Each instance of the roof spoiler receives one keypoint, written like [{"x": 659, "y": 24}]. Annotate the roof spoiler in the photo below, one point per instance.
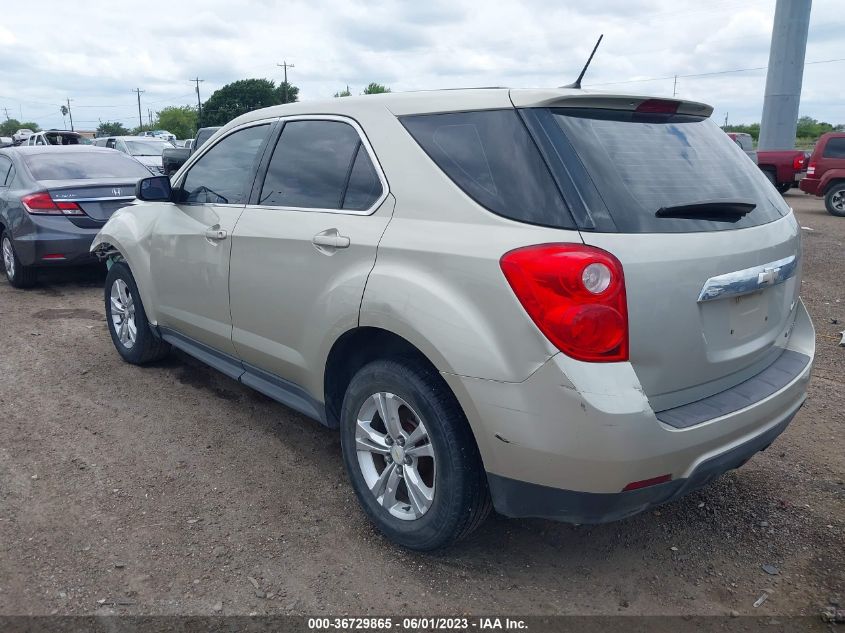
[{"x": 564, "y": 98}]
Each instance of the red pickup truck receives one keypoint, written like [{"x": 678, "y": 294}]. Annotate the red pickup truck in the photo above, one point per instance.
[
  {"x": 785, "y": 168},
  {"x": 826, "y": 172}
]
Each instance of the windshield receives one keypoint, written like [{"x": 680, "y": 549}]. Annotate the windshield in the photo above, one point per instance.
[
  {"x": 630, "y": 165},
  {"x": 81, "y": 165},
  {"x": 147, "y": 148}
]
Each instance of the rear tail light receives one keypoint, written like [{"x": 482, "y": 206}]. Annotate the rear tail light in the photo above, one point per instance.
[
  {"x": 658, "y": 106},
  {"x": 43, "y": 204},
  {"x": 798, "y": 162},
  {"x": 575, "y": 294},
  {"x": 811, "y": 168}
]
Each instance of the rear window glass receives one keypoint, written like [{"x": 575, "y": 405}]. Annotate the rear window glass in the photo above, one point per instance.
[
  {"x": 58, "y": 165},
  {"x": 639, "y": 164},
  {"x": 147, "y": 148},
  {"x": 835, "y": 148},
  {"x": 491, "y": 156}
]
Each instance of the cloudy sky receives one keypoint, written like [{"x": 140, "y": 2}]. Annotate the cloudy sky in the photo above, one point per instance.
[{"x": 97, "y": 52}]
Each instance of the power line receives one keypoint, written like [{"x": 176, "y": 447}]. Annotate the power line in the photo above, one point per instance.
[{"x": 709, "y": 74}]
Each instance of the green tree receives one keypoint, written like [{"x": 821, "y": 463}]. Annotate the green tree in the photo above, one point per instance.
[
  {"x": 239, "y": 97},
  {"x": 343, "y": 93},
  {"x": 109, "y": 128},
  {"x": 376, "y": 89},
  {"x": 810, "y": 128},
  {"x": 178, "y": 120},
  {"x": 9, "y": 127},
  {"x": 288, "y": 93}
]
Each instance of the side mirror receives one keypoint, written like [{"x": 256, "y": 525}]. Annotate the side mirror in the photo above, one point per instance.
[{"x": 153, "y": 189}]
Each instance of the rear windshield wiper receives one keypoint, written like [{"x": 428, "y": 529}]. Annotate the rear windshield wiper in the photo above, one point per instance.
[{"x": 717, "y": 210}]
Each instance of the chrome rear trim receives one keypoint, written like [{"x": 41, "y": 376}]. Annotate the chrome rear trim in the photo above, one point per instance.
[{"x": 743, "y": 282}]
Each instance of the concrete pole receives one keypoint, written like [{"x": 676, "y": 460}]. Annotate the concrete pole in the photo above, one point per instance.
[{"x": 786, "y": 72}]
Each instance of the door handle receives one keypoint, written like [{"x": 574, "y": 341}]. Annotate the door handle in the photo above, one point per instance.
[
  {"x": 331, "y": 239},
  {"x": 215, "y": 233}
]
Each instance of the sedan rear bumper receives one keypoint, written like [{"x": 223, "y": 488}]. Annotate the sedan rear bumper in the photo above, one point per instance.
[{"x": 53, "y": 241}]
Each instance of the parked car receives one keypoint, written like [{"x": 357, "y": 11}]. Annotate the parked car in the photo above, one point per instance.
[
  {"x": 783, "y": 168},
  {"x": 746, "y": 143},
  {"x": 530, "y": 298},
  {"x": 55, "y": 137},
  {"x": 21, "y": 135},
  {"x": 162, "y": 134},
  {"x": 145, "y": 149},
  {"x": 173, "y": 158},
  {"x": 6, "y": 141},
  {"x": 54, "y": 200},
  {"x": 826, "y": 172}
]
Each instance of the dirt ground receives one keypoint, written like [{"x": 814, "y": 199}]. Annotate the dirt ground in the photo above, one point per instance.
[{"x": 174, "y": 490}]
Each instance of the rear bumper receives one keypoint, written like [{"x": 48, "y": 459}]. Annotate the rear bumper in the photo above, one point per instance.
[
  {"x": 565, "y": 443},
  {"x": 810, "y": 185},
  {"x": 40, "y": 236},
  {"x": 522, "y": 499}
]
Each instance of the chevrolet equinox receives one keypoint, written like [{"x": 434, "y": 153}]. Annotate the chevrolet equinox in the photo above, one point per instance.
[{"x": 554, "y": 303}]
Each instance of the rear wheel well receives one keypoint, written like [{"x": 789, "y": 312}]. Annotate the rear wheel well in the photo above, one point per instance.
[
  {"x": 832, "y": 184},
  {"x": 351, "y": 352}
]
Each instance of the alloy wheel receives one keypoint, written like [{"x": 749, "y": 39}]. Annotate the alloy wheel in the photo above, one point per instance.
[
  {"x": 396, "y": 456},
  {"x": 837, "y": 201},
  {"x": 8, "y": 257},
  {"x": 123, "y": 313}
]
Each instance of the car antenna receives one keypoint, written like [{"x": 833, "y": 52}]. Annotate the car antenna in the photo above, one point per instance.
[{"x": 577, "y": 83}]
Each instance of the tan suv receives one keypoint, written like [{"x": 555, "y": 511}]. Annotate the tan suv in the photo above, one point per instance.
[{"x": 559, "y": 303}]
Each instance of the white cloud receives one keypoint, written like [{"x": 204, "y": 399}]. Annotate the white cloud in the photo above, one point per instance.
[{"x": 97, "y": 53}]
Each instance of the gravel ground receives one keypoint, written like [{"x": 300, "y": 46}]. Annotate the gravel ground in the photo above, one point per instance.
[{"x": 174, "y": 490}]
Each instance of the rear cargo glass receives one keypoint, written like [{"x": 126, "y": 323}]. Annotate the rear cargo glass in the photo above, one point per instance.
[
  {"x": 491, "y": 156},
  {"x": 626, "y": 166},
  {"x": 60, "y": 165}
]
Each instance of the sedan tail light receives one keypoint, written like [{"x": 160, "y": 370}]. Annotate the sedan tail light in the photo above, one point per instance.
[
  {"x": 575, "y": 294},
  {"x": 43, "y": 204}
]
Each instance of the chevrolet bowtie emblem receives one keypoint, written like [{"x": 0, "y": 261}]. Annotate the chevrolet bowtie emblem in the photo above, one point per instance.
[{"x": 768, "y": 277}]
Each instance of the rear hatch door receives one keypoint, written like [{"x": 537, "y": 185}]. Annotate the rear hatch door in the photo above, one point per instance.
[{"x": 709, "y": 249}]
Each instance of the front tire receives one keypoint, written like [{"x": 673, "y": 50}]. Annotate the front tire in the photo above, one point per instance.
[
  {"x": 128, "y": 325},
  {"x": 411, "y": 456},
  {"x": 834, "y": 200},
  {"x": 18, "y": 275}
]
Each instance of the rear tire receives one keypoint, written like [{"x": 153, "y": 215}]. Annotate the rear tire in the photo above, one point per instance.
[
  {"x": 436, "y": 493},
  {"x": 834, "y": 200},
  {"x": 128, "y": 325},
  {"x": 783, "y": 187},
  {"x": 19, "y": 276}
]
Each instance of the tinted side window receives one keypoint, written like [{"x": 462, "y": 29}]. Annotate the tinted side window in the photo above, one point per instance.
[
  {"x": 223, "y": 174},
  {"x": 310, "y": 165},
  {"x": 835, "y": 148},
  {"x": 364, "y": 186},
  {"x": 490, "y": 155},
  {"x": 5, "y": 169}
]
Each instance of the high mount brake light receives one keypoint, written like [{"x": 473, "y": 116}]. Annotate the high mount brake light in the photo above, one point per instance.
[
  {"x": 575, "y": 294},
  {"x": 43, "y": 204},
  {"x": 658, "y": 106}
]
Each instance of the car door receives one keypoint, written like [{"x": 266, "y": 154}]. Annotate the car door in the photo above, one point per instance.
[
  {"x": 191, "y": 241},
  {"x": 304, "y": 246}
]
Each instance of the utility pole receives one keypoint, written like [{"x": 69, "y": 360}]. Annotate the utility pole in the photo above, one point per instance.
[
  {"x": 785, "y": 75},
  {"x": 6, "y": 110},
  {"x": 69, "y": 113},
  {"x": 138, "y": 91},
  {"x": 197, "y": 81},
  {"x": 150, "y": 116},
  {"x": 285, "y": 65},
  {"x": 675, "y": 87},
  {"x": 726, "y": 121}
]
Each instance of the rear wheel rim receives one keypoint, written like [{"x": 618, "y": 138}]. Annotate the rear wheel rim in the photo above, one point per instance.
[
  {"x": 8, "y": 257},
  {"x": 837, "y": 200},
  {"x": 123, "y": 313},
  {"x": 396, "y": 456}
]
